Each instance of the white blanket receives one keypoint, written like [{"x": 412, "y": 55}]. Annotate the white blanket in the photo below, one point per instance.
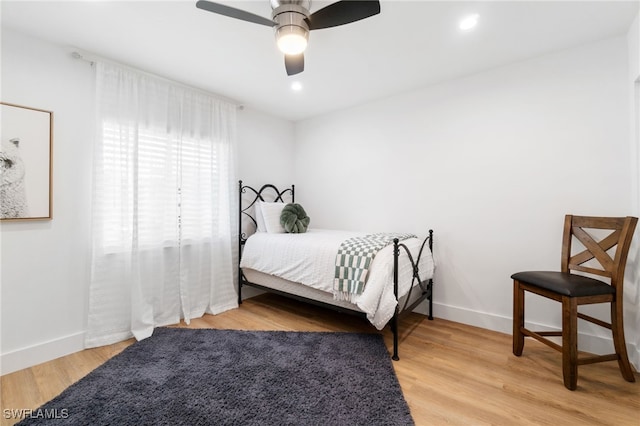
[{"x": 309, "y": 259}]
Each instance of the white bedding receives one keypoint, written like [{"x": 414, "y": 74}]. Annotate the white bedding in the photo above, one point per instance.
[{"x": 309, "y": 259}]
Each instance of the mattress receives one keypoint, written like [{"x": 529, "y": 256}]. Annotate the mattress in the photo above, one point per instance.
[{"x": 308, "y": 260}]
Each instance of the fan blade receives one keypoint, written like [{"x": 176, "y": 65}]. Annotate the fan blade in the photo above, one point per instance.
[
  {"x": 343, "y": 12},
  {"x": 232, "y": 12},
  {"x": 294, "y": 63}
]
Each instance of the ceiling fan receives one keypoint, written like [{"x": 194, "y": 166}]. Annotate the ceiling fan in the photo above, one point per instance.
[{"x": 292, "y": 22}]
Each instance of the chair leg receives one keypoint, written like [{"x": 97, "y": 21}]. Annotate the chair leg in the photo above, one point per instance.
[
  {"x": 617, "y": 328},
  {"x": 570, "y": 342},
  {"x": 518, "y": 318}
]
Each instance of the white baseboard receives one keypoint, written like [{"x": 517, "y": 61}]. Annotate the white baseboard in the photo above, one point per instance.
[
  {"x": 588, "y": 342},
  {"x": 43, "y": 352}
]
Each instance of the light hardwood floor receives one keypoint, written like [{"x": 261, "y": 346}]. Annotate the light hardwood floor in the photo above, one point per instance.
[{"x": 450, "y": 373}]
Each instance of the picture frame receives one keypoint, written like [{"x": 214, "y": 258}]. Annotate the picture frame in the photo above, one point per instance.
[{"x": 26, "y": 163}]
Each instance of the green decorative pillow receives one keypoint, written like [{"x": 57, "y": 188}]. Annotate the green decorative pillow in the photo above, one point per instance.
[{"x": 294, "y": 219}]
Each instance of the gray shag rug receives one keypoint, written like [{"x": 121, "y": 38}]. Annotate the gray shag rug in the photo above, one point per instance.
[{"x": 229, "y": 377}]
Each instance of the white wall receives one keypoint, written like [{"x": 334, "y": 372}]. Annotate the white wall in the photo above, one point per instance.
[
  {"x": 267, "y": 149},
  {"x": 45, "y": 264},
  {"x": 491, "y": 162},
  {"x": 632, "y": 288}
]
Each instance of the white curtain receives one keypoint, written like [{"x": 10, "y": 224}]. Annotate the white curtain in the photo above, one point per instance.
[{"x": 164, "y": 227}]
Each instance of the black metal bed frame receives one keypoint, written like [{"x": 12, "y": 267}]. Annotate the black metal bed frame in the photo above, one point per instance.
[{"x": 426, "y": 286}]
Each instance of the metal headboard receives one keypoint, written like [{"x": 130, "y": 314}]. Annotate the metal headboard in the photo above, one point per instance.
[{"x": 267, "y": 192}]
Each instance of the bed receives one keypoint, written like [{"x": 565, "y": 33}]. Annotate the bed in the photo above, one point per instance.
[{"x": 303, "y": 265}]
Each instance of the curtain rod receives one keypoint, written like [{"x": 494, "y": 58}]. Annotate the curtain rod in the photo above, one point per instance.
[{"x": 92, "y": 59}]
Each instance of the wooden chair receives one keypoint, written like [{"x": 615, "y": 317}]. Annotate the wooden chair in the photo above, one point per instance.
[{"x": 573, "y": 290}]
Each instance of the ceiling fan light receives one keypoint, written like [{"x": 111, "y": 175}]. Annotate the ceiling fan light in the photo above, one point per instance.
[
  {"x": 469, "y": 22},
  {"x": 292, "y": 40}
]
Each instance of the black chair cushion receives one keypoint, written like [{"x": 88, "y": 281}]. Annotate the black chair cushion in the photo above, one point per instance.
[{"x": 566, "y": 284}]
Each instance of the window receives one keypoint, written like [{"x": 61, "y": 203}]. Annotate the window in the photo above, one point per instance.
[{"x": 169, "y": 187}]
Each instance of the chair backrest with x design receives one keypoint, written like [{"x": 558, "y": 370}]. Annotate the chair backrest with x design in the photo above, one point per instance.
[{"x": 597, "y": 248}]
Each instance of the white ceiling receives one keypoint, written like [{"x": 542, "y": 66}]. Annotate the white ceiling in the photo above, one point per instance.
[{"x": 410, "y": 44}]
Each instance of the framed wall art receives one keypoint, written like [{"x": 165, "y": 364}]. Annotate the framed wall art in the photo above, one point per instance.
[{"x": 25, "y": 163}]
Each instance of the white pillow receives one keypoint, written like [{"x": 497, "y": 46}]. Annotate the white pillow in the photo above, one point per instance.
[
  {"x": 271, "y": 216},
  {"x": 260, "y": 226}
]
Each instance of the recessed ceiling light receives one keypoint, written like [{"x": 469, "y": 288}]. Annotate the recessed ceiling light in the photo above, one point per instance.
[
  {"x": 296, "y": 86},
  {"x": 469, "y": 22}
]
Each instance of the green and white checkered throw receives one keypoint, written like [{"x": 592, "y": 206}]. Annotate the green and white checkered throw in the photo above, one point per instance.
[{"x": 353, "y": 260}]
